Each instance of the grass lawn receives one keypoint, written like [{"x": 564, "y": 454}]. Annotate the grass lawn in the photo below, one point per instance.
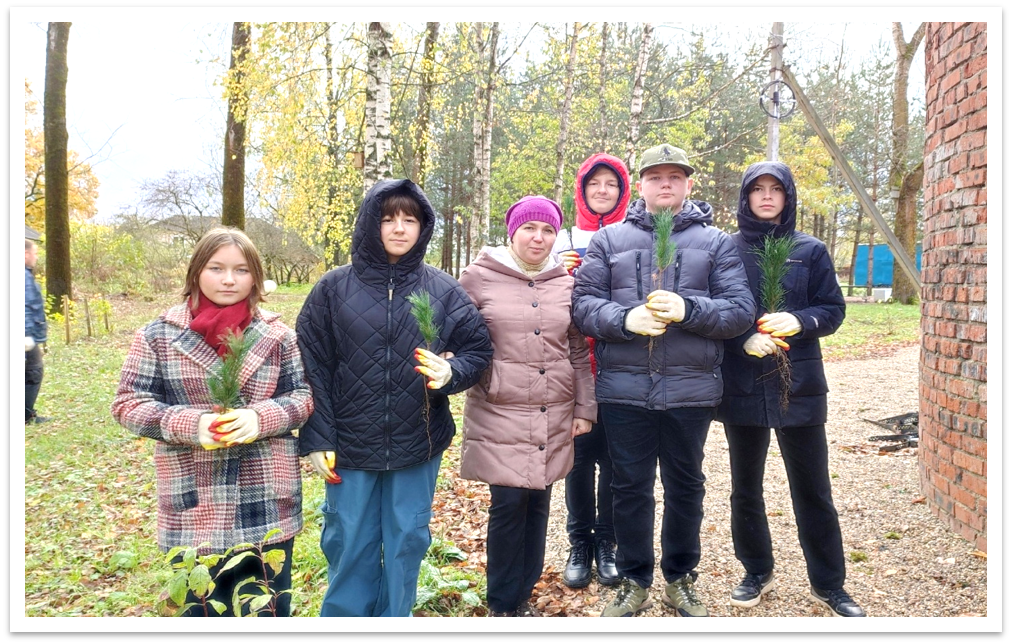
[{"x": 90, "y": 493}]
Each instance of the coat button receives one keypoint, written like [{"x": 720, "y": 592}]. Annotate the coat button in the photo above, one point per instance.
[
  {"x": 534, "y": 304},
  {"x": 541, "y": 371},
  {"x": 543, "y": 408},
  {"x": 531, "y": 284},
  {"x": 537, "y": 331},
  {"x": 541, "y": 447}
]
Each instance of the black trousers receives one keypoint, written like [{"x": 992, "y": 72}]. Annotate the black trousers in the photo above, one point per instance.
[
  {"x": 517, "y": 529},
  {"x": 806, "y": 458},
  {"x": 249, "y": 567},
  {"x": 33, "y": 380},
  {"x": 638, "y": 439},
  {"x": 589, "y": 517}
]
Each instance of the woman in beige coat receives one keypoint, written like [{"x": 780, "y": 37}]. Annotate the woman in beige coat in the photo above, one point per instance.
[{"x": 521, "y": 418}]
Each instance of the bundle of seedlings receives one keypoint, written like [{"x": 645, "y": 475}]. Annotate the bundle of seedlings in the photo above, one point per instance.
[
  {"x": 773, "y": 266},
  {"x": 425, "y": 315},
  {"x": 664, "y": 254},
  {"x": 223, "y": 381}
]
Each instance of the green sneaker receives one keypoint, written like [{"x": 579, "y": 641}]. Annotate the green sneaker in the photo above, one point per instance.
[
  {"x": 681, "y": 595},
  {"x": 629, "y": 600}
]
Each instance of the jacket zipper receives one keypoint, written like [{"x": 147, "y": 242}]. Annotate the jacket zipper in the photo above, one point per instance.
[
  {"x": 639, "y": 277},
  {"x": 678, "y": 265},
  {"x": 386, "y": 413}
]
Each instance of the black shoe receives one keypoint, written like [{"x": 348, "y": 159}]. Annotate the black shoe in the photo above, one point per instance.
[
  {"x": 838, "y": 601},
  {"x": 751, "y": 589},
  {"x": 577, "y": 572},
  {"x": 604, "y": 556},
  {"x": 37, "y": 419},
  {"x": 508, "y": 613}
]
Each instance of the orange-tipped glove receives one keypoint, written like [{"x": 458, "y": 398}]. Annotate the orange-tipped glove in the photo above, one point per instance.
[
  {"x": 780, "y": 325},
  {"x": 436, "y": 369},
  {"x": 237, "y": 426},
  {"x": 666, "y": 306},
  {"x": 570, "y": 260},
  {"x": 204, "y": 432},
  {"x": 763, "y": 344},
  {"x": 324, "y": 464}
]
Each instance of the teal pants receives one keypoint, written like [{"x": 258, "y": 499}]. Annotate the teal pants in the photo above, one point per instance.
[{"x": 375, "y": 535}]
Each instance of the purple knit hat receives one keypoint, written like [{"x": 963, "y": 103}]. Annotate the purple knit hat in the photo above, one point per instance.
[{"x": 533, "y": 208}]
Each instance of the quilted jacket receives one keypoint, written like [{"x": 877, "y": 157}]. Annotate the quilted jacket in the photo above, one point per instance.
[
  {"x": 683, "y": 368},
  {"x": 751, "y": 388},
  {"x": 358, "y": 339},
  {"x": 518, "y": 419},
  {"x": 225, "y": 496}
]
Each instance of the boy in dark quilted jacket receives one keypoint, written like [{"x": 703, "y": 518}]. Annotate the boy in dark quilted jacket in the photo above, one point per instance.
[{"x": 379, "y": 429}]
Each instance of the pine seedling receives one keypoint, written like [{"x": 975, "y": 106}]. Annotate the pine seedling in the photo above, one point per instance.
[
  {"x": 425, "y": 315},
  {"x": 771, "y": 259},
  {"x": 223, "y": 382},
  {"x": 664, "y": 253}
]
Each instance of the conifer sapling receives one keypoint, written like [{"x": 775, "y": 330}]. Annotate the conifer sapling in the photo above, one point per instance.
[
  {"x": 771, "y": 259},
  {"x": 425, "y": 315},
  {"x": 664, "y": 254}
]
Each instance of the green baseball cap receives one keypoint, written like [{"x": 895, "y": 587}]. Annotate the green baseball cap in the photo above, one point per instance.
[{"x": 665, "y": 154}]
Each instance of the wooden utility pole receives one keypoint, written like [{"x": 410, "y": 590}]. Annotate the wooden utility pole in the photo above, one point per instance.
[{"x": 776, "y": 62}]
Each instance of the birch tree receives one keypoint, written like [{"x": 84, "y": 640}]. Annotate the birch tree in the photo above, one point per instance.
[
  {"x": 567, "y": 104},
  {"x": 636, "y": 104},
  {"x": 377, "y": 105}
]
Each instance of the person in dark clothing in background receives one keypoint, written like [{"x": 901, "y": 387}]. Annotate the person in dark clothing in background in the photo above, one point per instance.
[
  {"x": 35, "y": 334},
  {"x": 814, "y": 308},
  {"x": 379, "y": 429}
]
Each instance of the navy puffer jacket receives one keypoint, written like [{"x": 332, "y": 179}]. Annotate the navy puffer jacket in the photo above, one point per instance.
[
  {"x": 751, "y": 385},
  {"x": 683, "y": 370},
  {"x": 358, "y": 338}
]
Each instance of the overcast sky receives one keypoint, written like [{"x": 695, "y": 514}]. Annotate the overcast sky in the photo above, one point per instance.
[{"x": 141, "y": 94}]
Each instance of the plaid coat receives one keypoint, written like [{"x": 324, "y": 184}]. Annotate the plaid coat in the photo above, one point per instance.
[{"x": 226, "y": 496}]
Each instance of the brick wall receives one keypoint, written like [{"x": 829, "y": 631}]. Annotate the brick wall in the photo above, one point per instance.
[{"x": 953, "y": 373}]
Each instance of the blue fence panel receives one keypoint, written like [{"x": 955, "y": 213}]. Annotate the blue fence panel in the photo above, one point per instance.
[{"x": 882, "y": 265}]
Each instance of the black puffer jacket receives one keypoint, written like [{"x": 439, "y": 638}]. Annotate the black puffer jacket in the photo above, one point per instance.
[
  {"x": 358, "y": 338},
  {"x": 684, "y": 368},
  {"x": 751, "y": 386}
]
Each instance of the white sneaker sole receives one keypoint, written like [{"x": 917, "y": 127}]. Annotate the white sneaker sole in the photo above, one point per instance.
[{"x": 754, "y": 602}]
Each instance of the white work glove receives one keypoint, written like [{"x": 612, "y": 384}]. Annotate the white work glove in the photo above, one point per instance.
[
  {"x": 581, "y": 426},
  {"x": 779, "y": 324},
  {"x": 666, "y": 306},
  {"x": 641, "y": 321},
  {"x": 237, "y": 426},
  {"x": 570, "y": 260},
  {"x": 204, "y": 432},
  {"x": 324, "y": 464},
  {"x": 436, "y": 369},
  {"x": 29, "y": 343},
  {"x": 762, "y": 344}
]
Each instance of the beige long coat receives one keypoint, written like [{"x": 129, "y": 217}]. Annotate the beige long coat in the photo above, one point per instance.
[{"x": 518, "y": 419}]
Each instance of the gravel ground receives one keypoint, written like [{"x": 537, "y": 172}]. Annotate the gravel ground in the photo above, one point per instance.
[{"x": 927, "y": 571}]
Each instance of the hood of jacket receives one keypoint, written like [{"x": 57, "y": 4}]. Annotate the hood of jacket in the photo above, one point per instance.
[
  {"x": 693, "y": 211},
  {"x": 367, "y": 254},
  {"x": 587, "y": 219},
  {"x": 752, "y": 228}
]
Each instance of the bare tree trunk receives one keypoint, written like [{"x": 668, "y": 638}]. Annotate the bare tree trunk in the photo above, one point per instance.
[
  {"x": 54, "y": 125},
  {"x": 905, "y": 225},
  {"x": 377, "y": 105},
  {"x": 331, "y": 249},
  {"x": 421, "y": 126},
  {"x": 233, "y": 184},
  {"x": 477, "y": 235},
  {"x": 567, "y": 106},
  {"x": 636, "y": 106},
  {"x": 486, "y": 139},
  {"x": 477, "y": 167},
  {"x": 602, "y": 102}
]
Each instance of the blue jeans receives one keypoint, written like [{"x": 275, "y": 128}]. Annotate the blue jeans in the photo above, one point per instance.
[
  {"x": 590, "y": 515},
  {"x": 375, "y": 535},
  {"x": 637, "y": 439}
]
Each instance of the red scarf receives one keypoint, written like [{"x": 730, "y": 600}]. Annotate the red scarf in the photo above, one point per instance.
[{"x": 213, "y": 321}]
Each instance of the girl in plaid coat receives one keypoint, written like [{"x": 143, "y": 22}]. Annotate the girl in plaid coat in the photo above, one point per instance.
[{"x": 220, "y": 486}]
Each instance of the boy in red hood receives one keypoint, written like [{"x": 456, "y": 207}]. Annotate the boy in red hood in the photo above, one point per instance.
[{"x": 602, "y": 194}]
